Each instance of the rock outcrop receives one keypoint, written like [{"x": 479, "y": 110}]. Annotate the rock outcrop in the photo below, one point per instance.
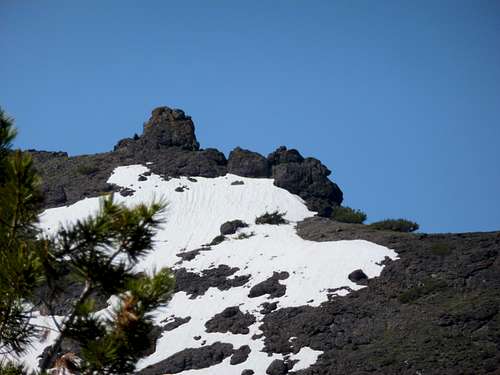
[
  {"x": 307, "y": 178},
  {"x": 247, "y": 163},
  {"x": 166, "y": 127},
  {"x": 168, "y": 143}
]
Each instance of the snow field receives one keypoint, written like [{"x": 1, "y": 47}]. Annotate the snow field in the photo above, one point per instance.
[{"x": 193, "y": 218}]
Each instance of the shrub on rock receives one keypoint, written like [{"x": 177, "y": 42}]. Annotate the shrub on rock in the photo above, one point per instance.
[
  {"x": 217, "y": 240},
  {"x": 275, "y": 218},
  {"x": 346, "y": 214},
  {"x": 397, "y": 225}
]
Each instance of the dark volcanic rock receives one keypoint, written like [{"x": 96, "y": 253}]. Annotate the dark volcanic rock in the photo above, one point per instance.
[
  {"x": 277, "y": 367},
  {"x": 126, "y": 192},
  {"x": 177, "y": 322},
  {"x": 247, "y": 163},
  {"x": 191, "y": 254},
  {"x": 247, "y": 372},
  {"x": 268, "y": 307},
  {"x": 307, "y": 178},
  {"x": 430, "y": 312},
  {"x": 190, "y": 359},
  {"x": 358, "y": 276},
  {"x": 270, "y": 286},
  {"x": 196, "y": 285},
  {"x": 230, "y": 227},
  {"x": 169, "y": 127},
  {"x": 282, "y": 156},
  {"x": 169, "y": 144},
  {"x": 231, "y": 320},
  {"x": 240, "y": 355},
  {"x": 60, "y": 195}
]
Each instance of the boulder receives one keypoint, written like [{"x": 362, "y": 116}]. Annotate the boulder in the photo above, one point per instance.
[
  {"x": 277, "y": 367},
  {"x": 247, "y": 163},
  {"x": 358, "y": 276},
  {"x": 230, "y": 227}
]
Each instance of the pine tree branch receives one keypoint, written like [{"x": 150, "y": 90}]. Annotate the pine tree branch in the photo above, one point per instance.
[
  {"x": 49, "y": 359},
  {"x": 51, "y": 313}
]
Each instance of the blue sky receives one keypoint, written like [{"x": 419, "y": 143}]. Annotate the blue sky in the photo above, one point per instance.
[{"x": 400, "y": 99}]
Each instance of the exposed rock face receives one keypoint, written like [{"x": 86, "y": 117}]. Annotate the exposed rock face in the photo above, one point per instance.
[
  {"x": 196, "y": 285},
  {"x": 283, "y": 156},
  {"x": 307, "y": 178},
  {"x": 169, "y": 127},
  {"x": 190, "y": 359},
  {"x": 240, "y": 355},
  {"x": 247, "y": 163},
  {"x": 277, "y": 367},
  {"x": 231, "y": 320},
  {"x": 176, "y": 323},
  {"x": 271, "y": 286}
]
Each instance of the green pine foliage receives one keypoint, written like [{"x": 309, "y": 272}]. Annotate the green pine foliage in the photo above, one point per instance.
[
  {"x": 11, "y": 369},
  {"x": 99, "y": 253},
  {"x": 346, "y": 214},
  {"x": 21, "y": 268}
]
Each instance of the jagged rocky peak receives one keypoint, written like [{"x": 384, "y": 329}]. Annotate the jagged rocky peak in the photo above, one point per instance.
[
  {"x": 171, "y": 127},
  {"x": 167, "y": 127},
  {"x": 169, "y": 144}
]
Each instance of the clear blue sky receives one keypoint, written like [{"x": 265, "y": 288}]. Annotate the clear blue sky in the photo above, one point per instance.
[{"x": 400, "y": 99}]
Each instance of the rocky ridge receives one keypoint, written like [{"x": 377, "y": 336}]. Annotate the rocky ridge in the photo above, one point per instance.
[{"x": 168, "y": 143}]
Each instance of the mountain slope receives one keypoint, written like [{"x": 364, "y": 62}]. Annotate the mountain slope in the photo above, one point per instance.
[
  {"x": 433, "y": 309},
  {"x": 308, "y": 271}
]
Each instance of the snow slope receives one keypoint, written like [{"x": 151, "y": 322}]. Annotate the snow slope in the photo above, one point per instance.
[{"x": 194, "y": 217}]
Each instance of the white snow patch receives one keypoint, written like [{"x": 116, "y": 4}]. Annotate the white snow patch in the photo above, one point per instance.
[{"x": 194, "y": 217}]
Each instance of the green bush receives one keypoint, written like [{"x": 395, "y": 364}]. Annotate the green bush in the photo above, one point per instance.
[
  {"x": 346, "y": 214},
  {"x": 275, "y": 218},
  {"x": 12, "y": 369},
  {"x": 217, "y": 240},
  {"x": 396, "y": 225}
]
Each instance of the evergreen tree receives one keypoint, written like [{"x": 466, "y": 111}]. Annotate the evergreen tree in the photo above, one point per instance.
[
  {"x": 21, "y": 269},
  {"x": 97, "y": 254}
]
